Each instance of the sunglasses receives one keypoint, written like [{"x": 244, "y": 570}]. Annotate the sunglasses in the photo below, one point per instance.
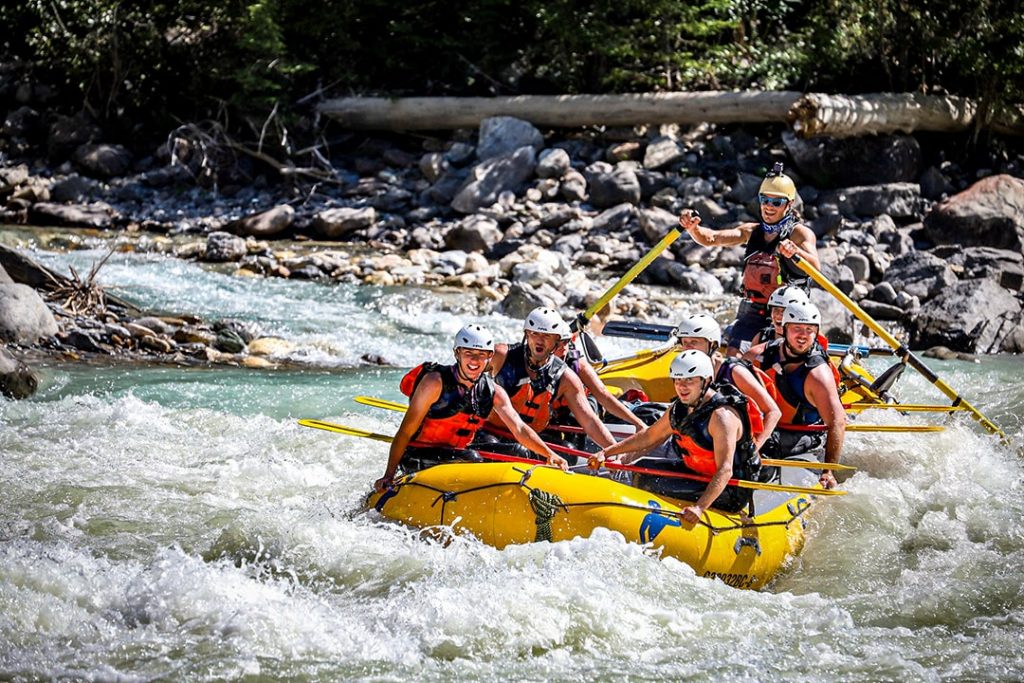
[{"x": 772, "y": 201}]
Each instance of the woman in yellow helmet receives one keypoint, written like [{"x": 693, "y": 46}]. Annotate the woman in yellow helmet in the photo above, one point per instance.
[{"x": 780, "y": 233}]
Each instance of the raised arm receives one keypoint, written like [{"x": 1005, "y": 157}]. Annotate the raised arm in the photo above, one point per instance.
[{"x": 690, "y": 222}]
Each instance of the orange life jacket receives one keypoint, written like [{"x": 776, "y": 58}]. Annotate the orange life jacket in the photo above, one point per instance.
[
  {"x": 797, "y": 411},
  {"x": 693, "y": 441},
  {"x": 454, "y": 418},
  {"x": 531, "y": 398}
]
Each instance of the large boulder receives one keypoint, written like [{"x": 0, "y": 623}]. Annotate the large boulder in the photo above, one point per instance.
[
  {"x": 1002, "y": 265},
  {"x": 24, "y": 316},
  {"x": 989, "y": 213},
  {"x": 972, "y": 316},
  {"x": 920, "y": 274},
  {"x": 898, "y": 200},
  {"x": 223, "y": 246},
  {"x": 93, "y": 215},
  {"x": 267, "y": 223},
  {"x": 503, "y": 135},
  {"x": 17, "y": 380},
  {"x": 338, "y": 222},
  {"x": 846, "y": 162},
  {"x": 475, "y": 233},
  {"x": 490, "y": 178},
  {"x": 612, "y": 185}
]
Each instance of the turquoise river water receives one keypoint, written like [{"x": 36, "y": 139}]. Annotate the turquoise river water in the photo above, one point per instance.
[{"x": 177, "y": 524}]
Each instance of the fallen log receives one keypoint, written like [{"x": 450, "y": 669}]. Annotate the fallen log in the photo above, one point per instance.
[
  {"x": 841, "y": 116},
  {"x": 810, "y": 114},
  {"x": 560, "y": 111}
]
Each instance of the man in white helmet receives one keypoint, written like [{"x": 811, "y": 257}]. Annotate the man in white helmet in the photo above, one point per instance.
[
  {"x": 702, "y": 333},
  {"x": 535, "y": 378},
  {"x": 779, "y": 233},
  {"x": 711, "y": 435},
  {"x": 813, "y": 420},
  {"x": 777, "y": 302},
  {"x": 448, "y": 404}
]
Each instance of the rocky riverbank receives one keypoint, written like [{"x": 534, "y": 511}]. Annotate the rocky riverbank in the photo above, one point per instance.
[{"x": 519, "y": 217}]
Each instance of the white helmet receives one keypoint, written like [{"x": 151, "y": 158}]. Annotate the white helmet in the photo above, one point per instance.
[
  {"x": 547, "y": 321},
  {"x": 801, "y": 314},
  {"x": 474, "y": 337},
  {"x": 701, "y": 326},
  {"x": 691, "y": 363},
  {"x": 784, "y": 296}
]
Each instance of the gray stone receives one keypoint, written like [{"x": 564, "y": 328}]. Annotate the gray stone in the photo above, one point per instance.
[
  {"x": 24, "y": 316},
  {"x": 453, "y": 258},
  {"x": 264, "y": 224},
  {"x": 972, "y": 316},
  {"x": 5, "y": 279},
  {"x": 656, "y": 223},
  {"x": 553, "y": 163},
  {"x": 94, "y": 215},
  {"x": 880, "y": 311},
  {"x": 744, "y": 189},
  {"x": 503, "y": 135},
  {"x": 694, "y": 188},
  {"x": 836, "y": 321},
  {"x": 521, "y": 299},
  {"x": 615, "y": 218},
  {"x": 920, "y": 274},
  {"x": 223, "y": 247},
  {"x": 74, "y": 188},
  {"x": 661, "y": 152},
  {"x": 858, "y": 265},
  {"x": 989, "y": 213},
  {"x": 901, "y": 200},
  {"x": 573, "y": 186},
  {"x": 842, "y": 162},
  {"x": 610, "y": 186},
  {"x": 335, "y": 223},
  {"x": 17, "y": 380},
  {"x": 475, "y": 233},
  {"x": 433, "y": 165},
  {"x": 459, "y": 153},
  {"x": 884, "y": 293},
  {"x": 103, "y": 160},
  {"x": 934, "y": 185},
  {"x": 11, "y": 177},
  {"x": 490, "y": 178}
]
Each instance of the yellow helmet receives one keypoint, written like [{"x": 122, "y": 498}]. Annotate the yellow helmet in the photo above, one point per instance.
[{"x": 778, "y": 183}]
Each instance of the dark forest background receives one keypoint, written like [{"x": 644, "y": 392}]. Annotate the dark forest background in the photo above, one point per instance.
[{"x": 139, "y": 65}]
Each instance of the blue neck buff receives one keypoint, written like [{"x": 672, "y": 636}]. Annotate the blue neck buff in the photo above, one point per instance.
[{"x": 773, "y": 228}]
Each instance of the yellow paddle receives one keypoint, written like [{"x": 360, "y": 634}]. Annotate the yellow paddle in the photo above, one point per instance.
[
  {"x": 903, "y": 407},
  {"x": 394, "y": 405},
  {"x": 741, "y": 483},
  {"x": 584, "y": 318},
  {"x": 901, "y": 351}
]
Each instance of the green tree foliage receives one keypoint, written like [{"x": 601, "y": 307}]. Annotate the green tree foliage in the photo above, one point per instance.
[{"x": 190, "y": 59}]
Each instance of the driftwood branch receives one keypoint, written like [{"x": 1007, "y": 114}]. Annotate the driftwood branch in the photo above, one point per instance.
[{"x": 810, "y": 114}]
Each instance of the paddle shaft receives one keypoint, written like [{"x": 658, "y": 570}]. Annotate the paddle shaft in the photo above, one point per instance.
[
  {"x": 630, "y": 275},
  {"x": 900, "y": 350},
  {"x": 362, "y": 433}
]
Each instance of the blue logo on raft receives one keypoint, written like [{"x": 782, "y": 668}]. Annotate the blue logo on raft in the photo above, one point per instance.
[{"x": 654, "y": 522}]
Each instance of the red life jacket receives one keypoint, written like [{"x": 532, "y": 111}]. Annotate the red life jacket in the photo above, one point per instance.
[
  {"x": 797, "y": 411},
  {"x": 531, "y": 398},
  {"x": 761, "y": 276},
  {"x": 454, "y": 418},
  {"x": 693, "y": 441}
]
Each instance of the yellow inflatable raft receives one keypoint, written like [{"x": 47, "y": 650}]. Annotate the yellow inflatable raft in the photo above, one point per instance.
[
  {"x": 507, "y": 503},
  {"x": 648, "y": 371}
]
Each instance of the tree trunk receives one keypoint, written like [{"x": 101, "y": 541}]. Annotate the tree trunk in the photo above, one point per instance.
[
  {"x": 842, "y": 116},
  {"x": 561, "y": 111},
  {"x": 810, "y": 114}
]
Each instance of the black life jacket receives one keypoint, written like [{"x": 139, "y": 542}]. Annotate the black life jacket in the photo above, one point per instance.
[
  {"x": 792, "y": 399},
  {"x": 531, "y": 398},
  {"x": 454, "y": 418},
  {"x": 764, "y": 271},
  {"x": 693, "y": 441}
]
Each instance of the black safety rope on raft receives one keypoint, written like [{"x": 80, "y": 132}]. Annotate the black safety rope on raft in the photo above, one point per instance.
[{"x": 544, "y": 505}]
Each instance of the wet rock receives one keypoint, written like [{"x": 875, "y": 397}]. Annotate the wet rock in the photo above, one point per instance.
[
  {"x": 72, "y": 189},
  {"x": 102, "y": 160},
  {"x": 573, "y": 186},
  {"x": 94, "y": 215},
  {"x": 945, "y": 353},
  {"x": 190, "y": 334},
  {"x": 339, "y": 222},
  {"x": 845, "y": 162},
  {"x": 24, "y": 316},
  {"x": 488, "y": 179},
  {"x": 989, "y": 213},
  {"x": 222, "y": 247},
  {"x": 972, "y": 316},
  {"x": 157, "y": 344},
  {"x": 920, "y": 274},
  {"x": 270, "y": 346},
  {"x": 504, "y": 135},
  {"x": 264, "y": 224},
  {"x": 84, "y": 340},
  {"x": 229, "y": 341},
  {"x": 661, "y": 152},
  {"x": 475, "y": 233},
  {"x": 612, "y": 185},
  {"x": 17, "y": 380},
  {"x": 153, "y": 324},
  {"x": 553, "y": 163}
]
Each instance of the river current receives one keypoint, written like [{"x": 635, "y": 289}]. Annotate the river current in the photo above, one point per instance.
[{"x": 165, "y": 523}]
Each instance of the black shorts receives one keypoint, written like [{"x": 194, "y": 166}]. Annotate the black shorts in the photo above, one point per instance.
[{"x": 750, "y": 319}]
